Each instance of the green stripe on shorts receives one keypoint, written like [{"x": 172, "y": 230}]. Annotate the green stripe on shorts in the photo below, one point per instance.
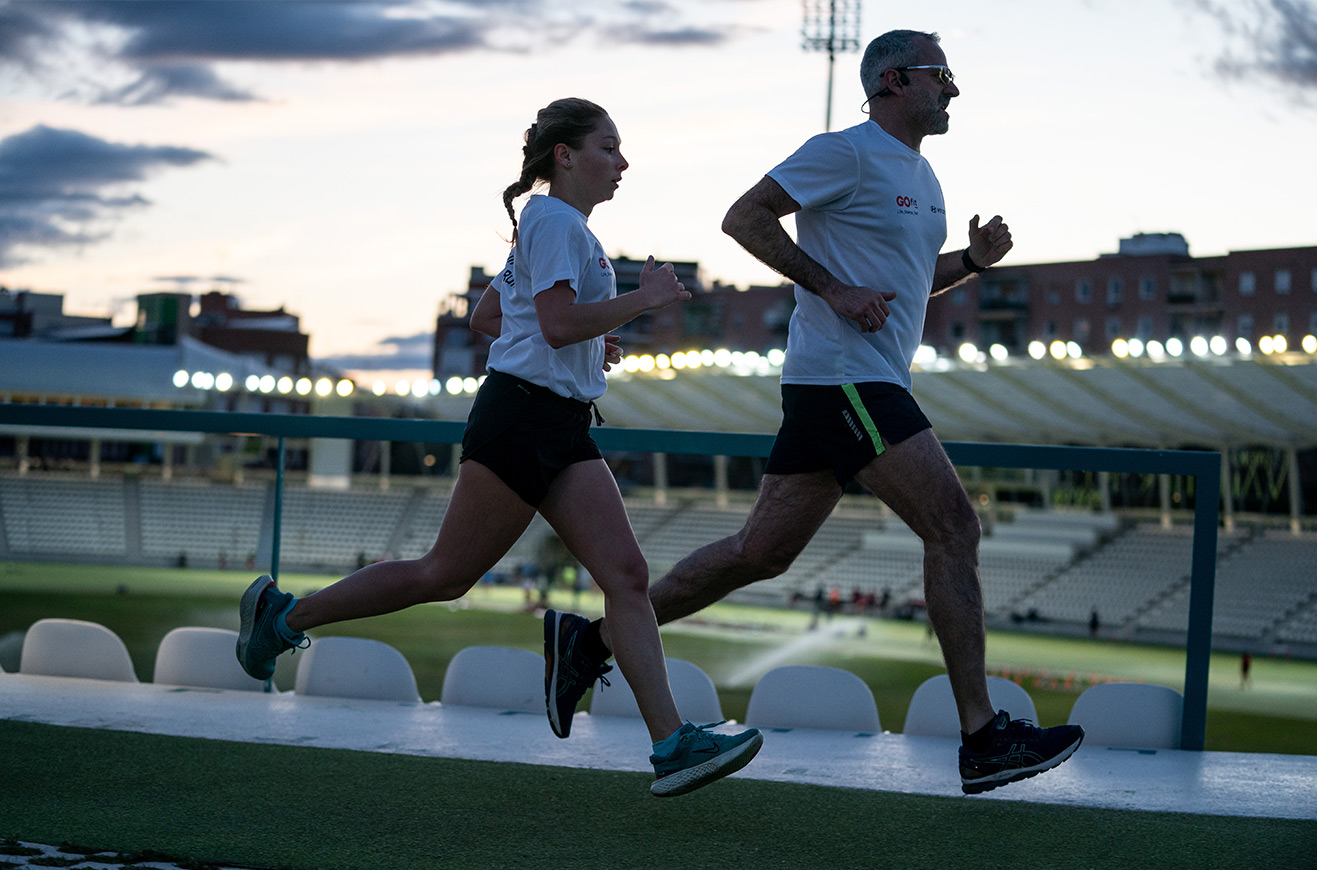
[{"x": 865, "y": 419}]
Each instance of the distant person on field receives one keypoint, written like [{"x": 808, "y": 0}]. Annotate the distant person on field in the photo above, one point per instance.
[
  {"x": 527, "y": 448},
  {"x": 1245, "y": 668},
  {"x": 871, "y": 220}
]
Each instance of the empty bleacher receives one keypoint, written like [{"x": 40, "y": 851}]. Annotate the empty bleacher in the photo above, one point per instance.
[
  {"x": 1263, "y": 588},
  {"x": 331, "y": 529},
  {"x": 52, "y": 516},
  {"x": 1058, "y": 566},
  {"x": 211, "y": 523}
]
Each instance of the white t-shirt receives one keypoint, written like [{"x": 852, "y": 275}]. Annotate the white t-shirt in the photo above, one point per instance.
[
  {"x": 872, "y": 214},
  {"x": 553, "y": 244}
]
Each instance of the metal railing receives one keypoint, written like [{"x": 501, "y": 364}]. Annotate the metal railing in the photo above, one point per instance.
[{"x": 1203, "y": 466}]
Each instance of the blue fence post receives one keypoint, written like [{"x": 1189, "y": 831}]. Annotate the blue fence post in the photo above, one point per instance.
[
  {"x": 278, "y": 511},
  {"x": 1202, "y": 588}
]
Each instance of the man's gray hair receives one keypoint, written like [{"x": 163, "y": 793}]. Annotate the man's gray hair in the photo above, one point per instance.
[{"x": 895, "y": 48}]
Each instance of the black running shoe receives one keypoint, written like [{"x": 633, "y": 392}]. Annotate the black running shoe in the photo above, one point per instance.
[
  {"x": 568, "y": 671},
  {"x": 1018, "y": 750}
]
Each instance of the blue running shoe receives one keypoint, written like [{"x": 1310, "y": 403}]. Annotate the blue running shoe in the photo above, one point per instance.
[
  {"x": 1018, "y": 750},
  {"x": 259, "y": 640},
  {"x": 701, "y": 757},
  {"x": 568, "y": 671}
]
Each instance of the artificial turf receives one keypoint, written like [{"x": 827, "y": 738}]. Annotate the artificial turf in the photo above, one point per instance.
[{"x": 295, "y": 807}]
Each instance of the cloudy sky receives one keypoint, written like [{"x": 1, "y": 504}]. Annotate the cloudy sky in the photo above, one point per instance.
[{"x": 345, "y": 160}]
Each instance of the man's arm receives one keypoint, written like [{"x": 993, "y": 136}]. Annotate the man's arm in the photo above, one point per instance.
[
  {"x": 987, "y": 245},
  {"x": 755, "y": 222}
]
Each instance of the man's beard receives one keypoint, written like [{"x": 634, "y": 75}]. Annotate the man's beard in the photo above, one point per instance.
[{"x": 932, "y": 120}]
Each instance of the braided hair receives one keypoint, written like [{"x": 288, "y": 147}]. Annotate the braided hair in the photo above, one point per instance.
[{"x": 568, "y": 122}]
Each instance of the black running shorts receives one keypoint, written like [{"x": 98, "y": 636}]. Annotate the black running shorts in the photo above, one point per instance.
[
  {"x": 526, "y": 434},
  {"x": 842, "y": 427}
]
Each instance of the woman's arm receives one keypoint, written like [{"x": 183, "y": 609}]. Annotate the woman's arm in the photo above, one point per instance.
[
  {"x": 563, "y": 321},
  {"x": 487, "y": 316}
]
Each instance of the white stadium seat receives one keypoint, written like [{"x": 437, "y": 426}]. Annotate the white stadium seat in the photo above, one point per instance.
[
  {"x": 933, "y": 710},
  {"x": 1130, "y": 716},
  {"x": 74, "y": 648},
  {"x": 355, "y": 667},
  {"x": 812, "y": 696},
  {"x": 202, "y": 657},
  {"x": 695, "y": 694},
  {"x": 500, "y": 677}
]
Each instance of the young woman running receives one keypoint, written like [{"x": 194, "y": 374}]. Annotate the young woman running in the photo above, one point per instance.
[{"x": 527, "y": 448}]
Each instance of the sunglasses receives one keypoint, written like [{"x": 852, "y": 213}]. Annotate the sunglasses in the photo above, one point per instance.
[{"x": 943, "y": 73}]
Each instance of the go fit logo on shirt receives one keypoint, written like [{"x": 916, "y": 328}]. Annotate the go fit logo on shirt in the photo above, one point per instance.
[
  {"x": 907, "y": 205},
  {"x": 604, "y": 266}
]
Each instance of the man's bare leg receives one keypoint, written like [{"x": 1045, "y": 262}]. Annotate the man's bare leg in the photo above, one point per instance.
[
  {"x": 917, "y": 481},
  {"x": 786, "y": 515}
]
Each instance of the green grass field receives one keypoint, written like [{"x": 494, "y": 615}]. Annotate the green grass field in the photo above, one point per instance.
[
  {"x": 733, "y": 644},
  {"x": 171, "y": 798}
]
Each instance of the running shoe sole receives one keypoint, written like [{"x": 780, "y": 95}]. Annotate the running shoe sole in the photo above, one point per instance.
[
  {"x": 688, "y": 780},
  {"x": 552, "y": 627},
  {"x": 251, "y": 599}
]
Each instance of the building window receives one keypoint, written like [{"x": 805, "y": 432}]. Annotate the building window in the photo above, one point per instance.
[
  {"x": 1113, "y": 328},
  {"x": 1083, "y": 291},
  {"x": 1082, "y": 329},
  {"x": 1281, "y": 323},
  {"x": 959, "y": 297},
  {"x": 1283, "y": 281},
  {"x": 1115, "y": 289},
  {"x": 1148, "y": 288},
  {"x": 1245, "y": 327},
  {"x": 1312, "y": 323},
  {"x": 957, "y": 331},
  {"x": 1145, "y": 327},
  {"x": 1054, "y": 298},
  {"x": 1314, "y": 280},
  {"x": 1049, "y": 330},
  {"x": 1247, "y": 283}
]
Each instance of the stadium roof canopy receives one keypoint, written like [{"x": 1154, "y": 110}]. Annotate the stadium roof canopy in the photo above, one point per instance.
[{"x": 1211, "y": 403}]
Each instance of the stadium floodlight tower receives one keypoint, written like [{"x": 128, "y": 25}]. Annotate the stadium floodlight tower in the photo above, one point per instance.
[{"x": 832, "y": 26}]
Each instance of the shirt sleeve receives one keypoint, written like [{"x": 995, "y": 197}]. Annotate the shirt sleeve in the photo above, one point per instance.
[
  {"x": 822, "y": 175},
  {"x": 554, "y": 253}
]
